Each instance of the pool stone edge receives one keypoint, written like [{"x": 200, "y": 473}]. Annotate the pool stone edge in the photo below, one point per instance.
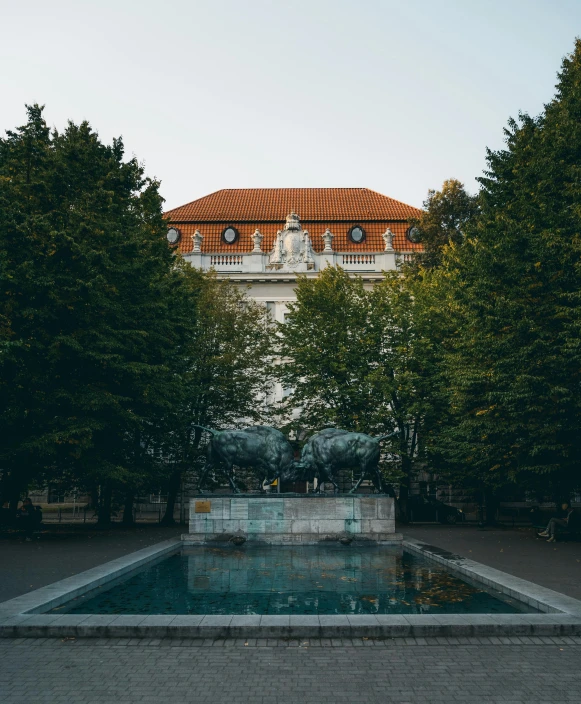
[{"x": 26, "y": 617}]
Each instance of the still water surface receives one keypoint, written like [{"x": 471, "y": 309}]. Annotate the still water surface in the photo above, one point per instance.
[{"x": 292, "y": 580}]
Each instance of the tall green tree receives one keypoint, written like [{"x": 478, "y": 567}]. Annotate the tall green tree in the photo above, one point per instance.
[
  {"x": 88, "y": 324},
  {"x": 405, "y": 377},
  {"x": 327, "y": 351},
  {"x": 225, "y": 373},
  {"x": 513, "y": 358},
  {"x": 356, "y": 359},
  {"x": 446, "y": 215}
]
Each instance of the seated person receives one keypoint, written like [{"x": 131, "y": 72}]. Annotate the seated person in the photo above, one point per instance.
[{"x": 555, "y": 524}]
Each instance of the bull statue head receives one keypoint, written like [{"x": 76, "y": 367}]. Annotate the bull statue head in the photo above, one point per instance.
[{"x": 302, "y": 471}]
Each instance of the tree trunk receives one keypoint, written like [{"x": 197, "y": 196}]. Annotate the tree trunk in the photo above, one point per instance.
[
  {"x": 10, "y": 491},
  {"x": 4, "y": 488},
  {"x": 558, "y": 497},
  {"x": 128, "y": 508},
  {"x": 174, "y": 484},
  {"x": 404, "y": 490},
  {"x": 104, "y": 513},
  {"x": 491, "y": 502}
]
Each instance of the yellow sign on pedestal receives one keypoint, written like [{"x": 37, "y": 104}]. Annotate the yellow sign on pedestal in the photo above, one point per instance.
[{"x": 203, "y": 507}]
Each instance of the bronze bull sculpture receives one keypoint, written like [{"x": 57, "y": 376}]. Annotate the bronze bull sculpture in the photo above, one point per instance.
[
  {"x": 263, "y": 448},
  {"x": 333, "y": 449}
]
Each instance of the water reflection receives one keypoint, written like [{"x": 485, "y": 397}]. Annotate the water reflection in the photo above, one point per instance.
[{"x": 292, "y": 580}]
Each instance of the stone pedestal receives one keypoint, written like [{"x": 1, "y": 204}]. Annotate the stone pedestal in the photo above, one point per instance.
[{"x": 281, "y": 519}]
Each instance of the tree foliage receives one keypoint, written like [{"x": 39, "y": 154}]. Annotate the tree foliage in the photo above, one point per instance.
[
  {"x": 356, "y": 359},
  {"x": 224, "y": 369},
  {"x": 328, "y": 352},
  {"x": 87, "y": 321},
  {"x": 111, "y": 347},
  {"x": 512, "y": 362},
  {"x": 443, "y": 222}
]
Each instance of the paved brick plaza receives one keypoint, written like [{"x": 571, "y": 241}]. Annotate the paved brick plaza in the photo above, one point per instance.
[
  {"x": 65, "y": 550},
  {"x": 514, "y": 550},
  {"x": 485, "y": 670}
]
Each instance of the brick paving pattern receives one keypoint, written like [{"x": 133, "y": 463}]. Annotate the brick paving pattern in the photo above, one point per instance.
[
  {"x": 64, "y": 550},
  {"x": 399, "y": 671},
  {"x": 516, "y": 551}
]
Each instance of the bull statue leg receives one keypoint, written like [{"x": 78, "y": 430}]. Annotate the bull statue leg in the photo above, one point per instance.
[
  {"x": 203, "y": 476},
  {"x": 361, "y": 478},
  {"x": 331, "y": 479},
  {"x": 377, "y": 480},
  {"x": 230, "y": 476}
]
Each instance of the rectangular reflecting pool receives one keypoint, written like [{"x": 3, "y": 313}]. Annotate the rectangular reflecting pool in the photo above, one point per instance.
[{"x": 292, "y": 580}]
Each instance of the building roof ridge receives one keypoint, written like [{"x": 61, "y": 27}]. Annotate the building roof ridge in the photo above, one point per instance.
[
  {"x": 311, "y": 203},
  {"x": 395, "y": 200}
]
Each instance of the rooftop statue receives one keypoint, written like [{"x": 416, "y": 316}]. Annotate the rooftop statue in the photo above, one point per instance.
[
  {"x": 264, "y": 449},
  {"x": 332, "y": 449}
]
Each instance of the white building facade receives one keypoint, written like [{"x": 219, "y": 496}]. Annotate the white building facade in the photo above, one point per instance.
[{"x": 264, "y": 238}]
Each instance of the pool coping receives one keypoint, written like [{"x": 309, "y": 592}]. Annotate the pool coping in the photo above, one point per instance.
[{"x": 26, "y": 615}]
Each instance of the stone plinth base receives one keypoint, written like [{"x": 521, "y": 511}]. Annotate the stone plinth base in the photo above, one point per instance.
[{"x": 305, "y": 519}]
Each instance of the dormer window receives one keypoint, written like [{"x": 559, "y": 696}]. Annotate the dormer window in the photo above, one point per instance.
[
  {"x": 230, "y": 235},
  {"x": 356, "y": 234}
]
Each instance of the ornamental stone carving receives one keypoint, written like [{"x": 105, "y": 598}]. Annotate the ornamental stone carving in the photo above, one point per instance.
[
  {"x": 257, "y": 238},
  {"x": 328, "y": 239},
  {"x": 197, "y": 237},
  {"x": 292, "y": 247},
  {"x": 388, "y": 239}
]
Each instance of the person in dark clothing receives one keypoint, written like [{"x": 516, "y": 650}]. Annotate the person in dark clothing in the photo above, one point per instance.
[
  {"x": 26, "y": 509},
  {"x": 552, "y": 529},
  {"x": 28, "y": 517}
]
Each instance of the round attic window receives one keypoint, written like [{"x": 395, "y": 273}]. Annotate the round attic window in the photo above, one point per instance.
[
  {"x": 357, "y": 234},
  {"x": 230, "y": 235},
  {"x": 413, "y": 235},
  {"x": 173, "y": 235}
]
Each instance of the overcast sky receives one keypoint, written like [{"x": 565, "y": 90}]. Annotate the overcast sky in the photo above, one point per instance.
[{"x": 391, "y": 95}]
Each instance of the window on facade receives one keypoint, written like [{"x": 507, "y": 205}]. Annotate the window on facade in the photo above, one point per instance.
[
  {"x": 413, "y": 235},
  {"x": 173, "y": 235},
  {"x": 230, "y": 235},
  {"x": 357, "y": 234}
]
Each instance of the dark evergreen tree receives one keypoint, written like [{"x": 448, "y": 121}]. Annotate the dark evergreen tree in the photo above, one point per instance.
[
  {"x": 86, "y": 304},
  {"x": 513, "y": 358}
]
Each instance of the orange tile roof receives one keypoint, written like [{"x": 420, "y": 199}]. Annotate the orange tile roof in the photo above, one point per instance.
[
  {"x": 318, "y": 208},
  {"x": 274, "y": 204}
]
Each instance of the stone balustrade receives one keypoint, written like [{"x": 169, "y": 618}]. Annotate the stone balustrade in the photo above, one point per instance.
[{"x": 259, "y": 262}]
